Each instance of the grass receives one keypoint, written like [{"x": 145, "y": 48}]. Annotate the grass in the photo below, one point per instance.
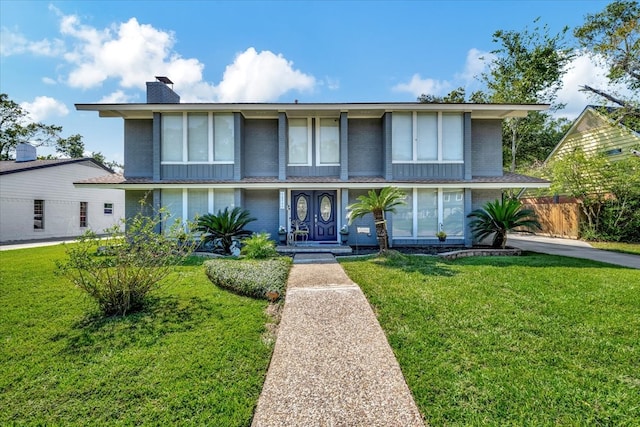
[
  {"x": 531, "y": 340},
  {"x": 194, "y": 355},
  {"x": 625, "y": 248}
]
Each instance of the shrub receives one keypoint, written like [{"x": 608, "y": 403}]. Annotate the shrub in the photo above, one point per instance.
[
  {"x": 498, "y": 217},
  {"x": 120, "y": 270},
  {"x": 259, "y": 246},
  {"x": 265, "y": 279},
  {"x": 224, "y": 227}
]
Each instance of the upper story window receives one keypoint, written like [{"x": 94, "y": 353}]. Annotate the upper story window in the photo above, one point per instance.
[
  {"x": 300, "y": 142},
  {"x": 197, "y": 138},
  {"x": 427, "y": 137},
  {"x": 327, "y": 142}
]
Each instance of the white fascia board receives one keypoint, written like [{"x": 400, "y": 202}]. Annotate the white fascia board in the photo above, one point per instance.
[
  {"x": 145, "y": 111},
  {"x": 319, "y": 186}
]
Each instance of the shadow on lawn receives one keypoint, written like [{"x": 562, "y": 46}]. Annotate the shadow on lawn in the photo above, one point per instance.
[
  {"x": 159, "y": 317},
  {"x": 426, "y": 265}
]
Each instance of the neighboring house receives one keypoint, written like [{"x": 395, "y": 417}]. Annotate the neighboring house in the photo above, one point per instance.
[
  {"x": 594, "y": 132},
  {"x": 308, "y": 162},
  {"x": 39, "y": 201}
]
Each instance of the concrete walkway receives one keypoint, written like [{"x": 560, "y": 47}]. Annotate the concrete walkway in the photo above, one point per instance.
[
  {"x": 571, "y": 248},
  {"x": 332, "y": 364}
]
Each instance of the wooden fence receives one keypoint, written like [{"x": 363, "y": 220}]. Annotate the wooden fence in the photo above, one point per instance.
[{"x": 559, "y": 218}]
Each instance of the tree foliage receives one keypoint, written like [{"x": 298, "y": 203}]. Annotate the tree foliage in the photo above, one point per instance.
[
  {"x": 527, "y": 69},
  {"x": 15, "y": 128},
  {"x": 498, "y": 217},
  {"x": 612, "y": 37},
  {"x": 609, "y": 192},
  {"x": 377, "y": 203}
]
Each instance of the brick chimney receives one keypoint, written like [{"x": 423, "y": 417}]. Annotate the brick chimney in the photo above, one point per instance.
[{"x": 159, "y": 92}]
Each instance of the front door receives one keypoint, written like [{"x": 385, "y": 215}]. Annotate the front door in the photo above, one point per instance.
[{"x": 317, "y": 209}]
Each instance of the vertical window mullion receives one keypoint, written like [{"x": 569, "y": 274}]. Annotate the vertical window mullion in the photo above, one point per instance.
[
  {"x": 414, "y": 135},
  {"x": 440, "y": 208},
  {"x": 414, "y": 208},
  {"x": 185, "y": 137},
  {"x": 210, "y": 135},
  {"x": 440, "y": 136}
]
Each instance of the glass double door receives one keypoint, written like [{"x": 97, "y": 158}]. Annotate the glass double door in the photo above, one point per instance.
[{"x": 317, "y": 211}]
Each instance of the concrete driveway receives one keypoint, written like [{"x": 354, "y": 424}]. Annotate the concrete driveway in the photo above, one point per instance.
[{"x": 571, "y": 248}]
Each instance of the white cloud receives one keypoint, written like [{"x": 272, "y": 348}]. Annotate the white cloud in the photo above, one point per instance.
[
  {"x": 260, "y": 77},
  {"x": 417, "y": 86},
  {"x": 12, "y": 42},
  {"x": 44, "y": 107},
  {"x": 117, "y": 97},
  {"x": 49, "y": 81},
  {"x": 584, "y": 70},
  {"x": 475, "y": 64}
]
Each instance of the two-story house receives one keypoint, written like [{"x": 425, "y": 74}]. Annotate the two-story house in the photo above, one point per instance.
[{"x": 309, "y": 161}]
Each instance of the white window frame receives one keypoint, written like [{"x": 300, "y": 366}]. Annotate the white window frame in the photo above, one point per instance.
[
  {"x": 86, "y": 214},
  {"x": 414, "y": 207},
  {"x": 309, "y": 142},
  {"x": 108, "y": 210},
  {"x": 211, "y": 143},
  {"x": 318, "y": 141},
  {"x": 414, "y": 142},
  {"x": 39, "y": 216}
]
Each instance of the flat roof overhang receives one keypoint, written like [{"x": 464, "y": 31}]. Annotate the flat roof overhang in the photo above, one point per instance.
[{"x": 271, "y": 111}]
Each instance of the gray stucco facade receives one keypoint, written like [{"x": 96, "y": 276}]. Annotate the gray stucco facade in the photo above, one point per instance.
[{"x": 256, "y": 166}]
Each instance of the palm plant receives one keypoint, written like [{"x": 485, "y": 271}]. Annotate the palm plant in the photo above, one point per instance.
[
  {"x": 499, "y": 217},
  {"x": 377, "y": 203},
  {"x": 225, "y": 226}
]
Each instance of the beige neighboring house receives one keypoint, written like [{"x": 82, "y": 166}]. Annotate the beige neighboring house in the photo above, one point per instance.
[
  {"x": 38, "y": 199},
  {"x": 595, "y": 132}
]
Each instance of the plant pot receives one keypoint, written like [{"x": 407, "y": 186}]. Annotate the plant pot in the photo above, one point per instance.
[
  {"x": 282, "y": 237},
  {"x": 442, "y": 239},
  {"x": 344, "y": 238}
]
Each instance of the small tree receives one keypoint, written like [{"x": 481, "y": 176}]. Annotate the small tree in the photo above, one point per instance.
[
  {"x": 377, "y": 204},
  {"x": 225, "y": 226},
  {"x": 119, "y": 270},
  {"x": 498, "y": 217}
]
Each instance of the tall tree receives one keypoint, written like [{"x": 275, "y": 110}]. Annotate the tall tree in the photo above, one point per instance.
[
  {"x": 528, "y": 69},
  {"x": 72, "y": 147},
  {"x": 15, "y": 129},
  {"x": 612, "y": 37}
]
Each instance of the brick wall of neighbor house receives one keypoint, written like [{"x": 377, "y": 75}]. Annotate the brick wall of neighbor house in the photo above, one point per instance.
[
  {"x": 486, "y": 150},
  {"x": 263, "y": 204},
  {"x": 365, "y": 147},
  {"x": 138, "y": 148},
  {"x": 260, "y": 148}
]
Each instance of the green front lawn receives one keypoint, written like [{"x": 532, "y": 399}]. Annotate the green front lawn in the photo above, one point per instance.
[
  {"x": 195, "y": 355},
  {"x": 625, "y": 248},
  {"x": 531, "y": 340}
]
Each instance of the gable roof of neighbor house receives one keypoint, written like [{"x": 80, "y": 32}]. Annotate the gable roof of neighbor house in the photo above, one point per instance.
[
  {"x": 11, "y": 166},
  {"x": 593, "y": 131}
]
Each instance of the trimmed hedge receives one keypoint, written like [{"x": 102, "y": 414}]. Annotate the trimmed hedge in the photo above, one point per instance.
[{"x": 264, "y": 279}]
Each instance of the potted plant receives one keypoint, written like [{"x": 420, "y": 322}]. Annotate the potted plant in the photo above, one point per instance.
[
  {"x": 344, "y": 234},
  {"x": 282, "y": 234},
  {"x": 441, "y": 235}
]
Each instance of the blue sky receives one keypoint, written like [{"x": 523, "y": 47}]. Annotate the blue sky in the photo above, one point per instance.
[{"x": 56, "y": 54}]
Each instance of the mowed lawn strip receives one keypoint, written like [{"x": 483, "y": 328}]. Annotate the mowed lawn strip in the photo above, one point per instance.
[
  {"x": 195, "y": 355},
  {"x": 625, "y": 248},
  {"x": 530, "y": 340}
]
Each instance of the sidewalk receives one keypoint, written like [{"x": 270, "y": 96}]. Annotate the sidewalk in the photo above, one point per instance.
[
  {"x": 570, "y": 248},
  {"x": 332, "y": 364}
]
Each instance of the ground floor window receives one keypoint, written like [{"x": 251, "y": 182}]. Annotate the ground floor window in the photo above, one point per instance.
[
  {"x": 84, "y": 206},
  {"x": 108, "y": 208},
  {"x": 428, "y": 210},
  {"x": 188, "y": 204},
  {"x": 38, "y": 214}
]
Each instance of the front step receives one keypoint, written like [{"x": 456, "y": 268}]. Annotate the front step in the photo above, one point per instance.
[{"x": 314, "y": 249}]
